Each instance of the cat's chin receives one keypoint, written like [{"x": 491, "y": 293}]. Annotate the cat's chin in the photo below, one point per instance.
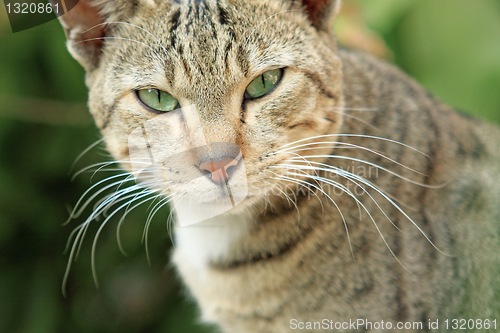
[{"x": 191, "y": 211}]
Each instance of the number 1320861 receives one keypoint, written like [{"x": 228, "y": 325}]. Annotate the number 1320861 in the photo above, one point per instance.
[
  {"x": 464, "y": 324},
  {"x": 32, "y": 8}
]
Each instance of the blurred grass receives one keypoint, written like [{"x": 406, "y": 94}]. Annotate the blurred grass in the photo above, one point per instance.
[{"x": 450, "y": 46}]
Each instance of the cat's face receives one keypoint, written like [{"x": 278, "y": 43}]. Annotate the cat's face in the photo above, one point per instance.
[{"x": 211, "y": 60}]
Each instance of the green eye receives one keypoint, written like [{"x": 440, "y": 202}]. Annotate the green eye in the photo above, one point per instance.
[
  {"x": 263, "y": 84},
  {"x": 157, "y": 100}
]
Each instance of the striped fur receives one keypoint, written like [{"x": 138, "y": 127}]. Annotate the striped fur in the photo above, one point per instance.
[{"x": 305, "y": 256}]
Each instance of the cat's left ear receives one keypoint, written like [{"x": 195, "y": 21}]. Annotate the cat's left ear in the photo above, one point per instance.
[
  {"x": 85, "y": 33},
  {"x": 322, "y": 13}
]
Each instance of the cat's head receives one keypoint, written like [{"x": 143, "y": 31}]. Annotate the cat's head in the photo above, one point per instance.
[{"x": 210, "y": 98}]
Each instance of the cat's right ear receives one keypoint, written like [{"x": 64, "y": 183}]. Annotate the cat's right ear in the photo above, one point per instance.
[
  {"x": 322, "y": 13},
  {"x": 85, "y": 33}
]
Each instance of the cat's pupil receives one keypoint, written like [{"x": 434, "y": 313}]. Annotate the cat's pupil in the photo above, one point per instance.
[{"x": 158, "y": 94}]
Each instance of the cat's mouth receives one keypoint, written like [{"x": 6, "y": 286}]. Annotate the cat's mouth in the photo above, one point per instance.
[
  {"x": 219, "y": 188},
  {"x": 223, "y": 197},
  {"x": 191, "y": 210},
  {"x": 213, "y": 195}
]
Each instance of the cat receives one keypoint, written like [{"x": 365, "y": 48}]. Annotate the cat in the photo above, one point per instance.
[{"x": 313, "y": 187}]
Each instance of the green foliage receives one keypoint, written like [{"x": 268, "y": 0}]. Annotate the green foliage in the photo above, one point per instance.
[{"x": 450, "y": 46}]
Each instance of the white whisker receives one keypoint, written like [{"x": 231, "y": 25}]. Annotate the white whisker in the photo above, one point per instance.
[
  {"x": 356, "y": 136},
  {"x": 374, "y": 165},
  {"x": 94, "y": 244},
  {"x": 122, "y": 219},
  {"x": 347, "y": 175},
  {"x": 164, "y": 201},
  {"x": 350, "y": 145},
  {"x": 103, "y": 206},
  {"x": 369, "y": 184},
  {"x": 330, "y": 182},
  {"x": 86, "y": 151},
  {"x": 77, "y": 210},
  {"x": 330, "y": 198}
]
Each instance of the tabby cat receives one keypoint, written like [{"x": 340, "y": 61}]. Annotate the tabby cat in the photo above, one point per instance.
[{"x": 311, "y": 186}]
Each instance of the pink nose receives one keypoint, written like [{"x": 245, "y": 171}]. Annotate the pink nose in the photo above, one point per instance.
[{"x": 218, "y": 169}]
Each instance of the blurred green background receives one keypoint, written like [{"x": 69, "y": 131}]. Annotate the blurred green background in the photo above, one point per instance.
[{"x": 451, "y": 46}]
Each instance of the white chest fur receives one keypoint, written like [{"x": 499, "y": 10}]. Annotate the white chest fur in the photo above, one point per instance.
[{"x": 198, "y": 244}]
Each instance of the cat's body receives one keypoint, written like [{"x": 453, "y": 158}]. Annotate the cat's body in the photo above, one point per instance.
[
  {"x": 307, "y": 271},
  {"x": 410, "y": 247}
]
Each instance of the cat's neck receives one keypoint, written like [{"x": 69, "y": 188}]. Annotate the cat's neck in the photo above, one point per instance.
[{"x": 203, "y": 242}]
